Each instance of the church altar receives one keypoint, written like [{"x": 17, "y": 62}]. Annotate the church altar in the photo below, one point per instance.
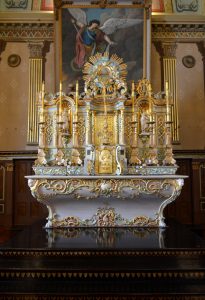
[
  {"x": 105, "y": 153},
  {"x": 132, "y": 200}
]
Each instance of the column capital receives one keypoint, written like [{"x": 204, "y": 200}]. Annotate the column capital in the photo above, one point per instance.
[
  {"x": 36, "y": 49},
  {"x": 39, "y": 49},
  {"x": 166, "y": 49}
]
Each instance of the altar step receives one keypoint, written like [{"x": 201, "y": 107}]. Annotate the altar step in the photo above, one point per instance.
[{"x": 114, "y": 269}]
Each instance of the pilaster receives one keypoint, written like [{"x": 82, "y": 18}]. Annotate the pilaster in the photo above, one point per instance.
[
  {"x": 167, "y": 52},
  {"x": 37, "y": 55}
]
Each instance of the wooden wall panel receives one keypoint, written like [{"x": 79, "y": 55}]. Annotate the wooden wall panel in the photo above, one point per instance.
[
  {"x": 26, "y": 209},
  {"x": 6, "y": 188}
]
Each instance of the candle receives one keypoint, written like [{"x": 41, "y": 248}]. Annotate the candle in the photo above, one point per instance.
[
  {"x": 150, "y": 101},
  {"x": 104, "y": 98},
  {"x": 76, "y": 96},
  {"x": 60, "y": 109},
  {"x": 133, "y": 96},
  {"x": 167, "y": 99},
  {"x": 42, "y": 94}
]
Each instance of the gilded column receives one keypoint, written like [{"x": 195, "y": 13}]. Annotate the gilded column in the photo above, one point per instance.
[
  {"x": 35, "y": 84},
  {"x": 167, "y": 51}
]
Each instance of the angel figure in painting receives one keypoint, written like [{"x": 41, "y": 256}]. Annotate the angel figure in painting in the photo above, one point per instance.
[{"x": 91, "y": 37}]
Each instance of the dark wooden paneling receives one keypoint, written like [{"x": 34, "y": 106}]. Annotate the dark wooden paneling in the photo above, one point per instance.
[
  {"x": 6, "y": 202},
  {"x": 198, "y": 183},
  {"x": 181, "y": 209},
  {"x": 26, "y": 208}
]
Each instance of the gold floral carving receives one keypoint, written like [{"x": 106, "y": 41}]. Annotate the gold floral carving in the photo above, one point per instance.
[
  {"x": 98, "y": 187},
  {"x": 144, "y": 221},
  {"x": 99, "y": 130},
  {"x": 160, "y": 129},
  {"x": 66, "y": 222},
  {"x": 128, "y": 129},
  {"x": 81, "y": 129},
  {"x": 50, "y": 128}
]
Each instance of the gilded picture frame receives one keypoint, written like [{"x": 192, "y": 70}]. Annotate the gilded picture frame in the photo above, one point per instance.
[{"x": 130, "y": 41}]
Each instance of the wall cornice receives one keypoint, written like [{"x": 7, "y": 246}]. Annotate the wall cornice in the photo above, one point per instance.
[
  {"x": 178, "y": 32},
  {"x": 22, "y": 32}
]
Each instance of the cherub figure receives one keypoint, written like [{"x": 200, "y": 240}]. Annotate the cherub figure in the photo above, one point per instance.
[
  {"x": 169, "y": 159},
  {"x": 75, "y": 158},
  {"x": 41, "y": 158},
  {"x": 59, "y": 160}
]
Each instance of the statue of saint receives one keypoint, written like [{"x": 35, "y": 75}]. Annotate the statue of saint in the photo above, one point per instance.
[{"x": 144, "y": 122}]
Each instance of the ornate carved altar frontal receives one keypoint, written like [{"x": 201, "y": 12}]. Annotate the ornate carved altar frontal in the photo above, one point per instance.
[{"x": 105, "y": 154}]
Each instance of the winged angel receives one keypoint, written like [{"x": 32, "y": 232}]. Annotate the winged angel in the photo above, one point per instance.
[{"x": 92, "y": 37}]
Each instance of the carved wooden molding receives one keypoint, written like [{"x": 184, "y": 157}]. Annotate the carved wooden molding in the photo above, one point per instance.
[
  {"x": 21, "y": 32},
  {"x": 178, "y": 32}
]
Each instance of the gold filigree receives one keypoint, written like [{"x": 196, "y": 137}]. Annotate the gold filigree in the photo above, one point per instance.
[
  {"x": 160, "y": 130},
  {"x": 99, "y": 130},
  {"x": 105, "y": 217},
  {"x": 66, "y": 222},
  {"x": 144, "y": 221},
  {"x": 102, "y": 71},
  {"x": 81, "y": 129},
  {"x": 50, "y": 128},
  {"x": 128, "y": 129}
]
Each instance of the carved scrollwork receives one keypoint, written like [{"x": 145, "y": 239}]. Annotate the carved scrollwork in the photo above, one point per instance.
[
  {"x": 49, "y": 190},
  {"x": 93, "y": 188}
]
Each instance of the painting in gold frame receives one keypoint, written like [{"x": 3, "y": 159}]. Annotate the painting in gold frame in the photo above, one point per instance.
[{"x": 84, "y": 30}]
